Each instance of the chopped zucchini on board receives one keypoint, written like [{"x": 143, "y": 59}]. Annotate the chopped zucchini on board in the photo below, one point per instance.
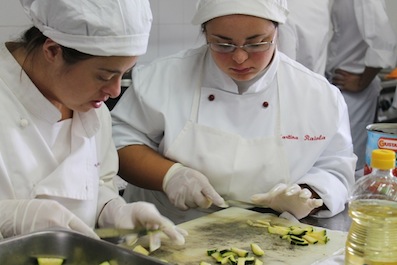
[
  {"x": 256, "y": 249},
  {"x": 280, "y": 230},
  {"x": 310, "y": 239},
  {"x": 246, "y": 261},
  {"x": 296, "y": 235},
  {"x": 235, "y": 256},
  {"x": 217, "y": 256},
  {"x": 210, "y": 251},
  {"x": 141, "y": 250},
  {"x": 49, "y": 261},
  {"x": 240, "y": 252}
]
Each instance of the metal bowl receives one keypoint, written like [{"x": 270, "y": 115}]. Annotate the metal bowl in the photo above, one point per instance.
[{"x": 75, "y": 248}]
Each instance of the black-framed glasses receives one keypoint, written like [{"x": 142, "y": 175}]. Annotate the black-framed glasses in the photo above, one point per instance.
[{"x": 250, "y": 48}]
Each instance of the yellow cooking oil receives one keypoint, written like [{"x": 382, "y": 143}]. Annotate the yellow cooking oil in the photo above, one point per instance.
[{"x": 372, "y": 238}]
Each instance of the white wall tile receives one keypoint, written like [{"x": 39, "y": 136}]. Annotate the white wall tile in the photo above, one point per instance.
[
  {"x": 11, "y": 32},
  {"x": 154, "y": 5},
  {"x": 172, "y": 30},
  {"x": 12, "y": 14},
  {"x": 189, "y": 7},
  {"x": 171, "y": 12}
]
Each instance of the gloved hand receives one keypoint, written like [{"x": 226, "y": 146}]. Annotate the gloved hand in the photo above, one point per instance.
[
  {"x": 119, "y": 214},
  {"x": 187, "y": 188},
  {"x": 293, "y": 199},
  {"x": 24, "y": 216}
]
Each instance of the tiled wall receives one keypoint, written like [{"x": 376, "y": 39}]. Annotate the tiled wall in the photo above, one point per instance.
[
  {"x": 171, "y": 30},
  {"x": 12, "y": 19}
]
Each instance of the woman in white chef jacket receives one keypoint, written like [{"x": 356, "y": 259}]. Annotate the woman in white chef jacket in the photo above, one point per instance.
[
  {"x": 234, "y": 121},
  {"x": 57, "y": 156},
  {"x": 363, "y": 43}
]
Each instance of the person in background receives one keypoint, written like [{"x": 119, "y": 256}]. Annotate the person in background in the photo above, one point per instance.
[
  {"x": 305, "y": 35},
  {"x": 234, "y": 122},
  {"x": 363, "y": 43},
  {"x": 57, "y": 156}
]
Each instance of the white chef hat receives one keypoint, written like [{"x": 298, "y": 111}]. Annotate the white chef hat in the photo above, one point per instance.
[
  {"x": 96, "y": 27},
  {"x": 275, "y": 10}
]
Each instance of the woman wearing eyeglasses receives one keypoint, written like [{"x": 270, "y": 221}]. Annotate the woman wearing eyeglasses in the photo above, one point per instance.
[{"x": 234, "y": 122}]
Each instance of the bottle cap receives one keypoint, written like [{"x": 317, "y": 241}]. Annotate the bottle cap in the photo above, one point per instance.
[{"x": 383, "y": 159}]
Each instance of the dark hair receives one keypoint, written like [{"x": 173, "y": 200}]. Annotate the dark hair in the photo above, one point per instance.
[{"x": 33, "y": 38}]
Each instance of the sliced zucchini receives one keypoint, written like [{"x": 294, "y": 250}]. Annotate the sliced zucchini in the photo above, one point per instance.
[
  {"x": 299, "y": 235},
  {"x": 297, "y": 231},
  {"x": 227, "y": 253},
  {"x": 311, "y": 240},
  {"x": 240, "y": 252},
  {"x": 49, "y": 261},
  {"x": 257, "y": 250},
  {"x": 217, "y": 256},
  {"x": 246, "y": 261},
  {"x": 264, "y": 222},
  {"x": 224, "y": 251},
  {"x": 321, "y": 236},
  {"x": 225, "y": 260},
  {"x": 258, "y": 262},
  {"x": 286, "y": 237},
  {"x": 295, "y": 240},
  {"x": 141, "y": 250},
  {"x": 241, "y": 261},
  {"x": 305, "y": 243},
  {"x": 210, "y": 251},
  {"x": 279, "y": 230},
  {"x": 318, "y": 234},
  {"x": 232, "y": 260},
  {"x": 323, "y": 240},
  {"x": 204, "y": 263},
  {"x": 249, "y": 260}
]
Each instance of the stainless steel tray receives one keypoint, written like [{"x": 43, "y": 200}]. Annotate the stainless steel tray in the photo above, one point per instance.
[{"x": 75, "y": 248}]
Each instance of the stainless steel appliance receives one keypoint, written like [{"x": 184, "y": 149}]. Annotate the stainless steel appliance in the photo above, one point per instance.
[
  {"x": 387, "y": 103},
  {"x": 75, "y": 248}
]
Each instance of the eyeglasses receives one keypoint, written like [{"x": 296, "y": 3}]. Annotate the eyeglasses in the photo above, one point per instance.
[{"x": 250, "y": 48}]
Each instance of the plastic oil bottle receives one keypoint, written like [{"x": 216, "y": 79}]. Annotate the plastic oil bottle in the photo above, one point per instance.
[{"x": 372, "y": 238}]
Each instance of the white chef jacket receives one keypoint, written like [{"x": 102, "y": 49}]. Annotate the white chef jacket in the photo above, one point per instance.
[
  {"x": 362, "y": 37},
  {"x": 83, "y": 181},
  {"x": 154, "y": 110},
  {"x": 306, "y": 33}
]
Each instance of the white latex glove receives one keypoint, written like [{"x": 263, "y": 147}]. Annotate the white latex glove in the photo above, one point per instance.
[
  {"x": 119, "y": 214},
  {"x": 187, "y": 188},
  {"x": 293, "y": 199},
  {"x": 24, "y": 216}
]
